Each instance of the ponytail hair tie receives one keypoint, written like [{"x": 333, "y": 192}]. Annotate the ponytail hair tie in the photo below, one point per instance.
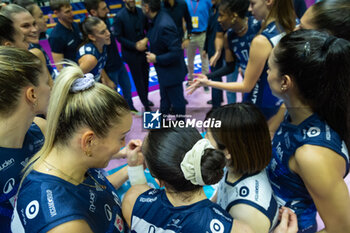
[
  {"x": 191, "y": 163},
  {"x": 329, "y": 41},
  {"x": 81, "y": 84}
]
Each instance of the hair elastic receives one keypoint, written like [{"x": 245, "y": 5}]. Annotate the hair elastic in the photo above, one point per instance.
[
  {"x": 191, "y": 163},
  {"x": 81, "y": 84}
]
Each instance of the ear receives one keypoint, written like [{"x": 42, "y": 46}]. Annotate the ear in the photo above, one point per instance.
[
  {"x": 227, "y": 154},
  {"x": 159, "y": 182},
  {"x": 269, "y": 2},
  {"x": 287, "y": 82},
  {"x": 56, "y": 12},
  {"x": 8, "y": 44},
  {"x": 87, "y": 141},
  {"x": 31, "y": 95},
  {"x": 93, "y": 12},
  {"x": 91, "y": 37}
]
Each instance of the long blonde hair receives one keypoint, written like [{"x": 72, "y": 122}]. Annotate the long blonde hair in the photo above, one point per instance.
[{"x": 98, "y": 108}]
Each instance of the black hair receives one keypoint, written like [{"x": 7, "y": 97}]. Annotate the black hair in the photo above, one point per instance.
[
  {"x": 154, "y": 5},
  {"x": 245, "y": 135},
  {"x": 56, "y": 5},
  {"x": 92, "y": 4},
  {"x": 319, "y": 65},
  {"x": 238, "y": 6},
  {"x": 164, "y": 151},
  {"x": 333, "y": 16},
  {"x": 7, "y": 30}
]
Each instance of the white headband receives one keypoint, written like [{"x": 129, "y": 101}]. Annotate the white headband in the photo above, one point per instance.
[{"x": 191, "y": 163}]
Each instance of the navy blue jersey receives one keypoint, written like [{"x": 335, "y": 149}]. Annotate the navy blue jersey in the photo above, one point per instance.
[
  {"x": 47, "y": 59},
  {"x": 45, "y": 201},
  {"x": 153, "y": 212},
  {"x": 254, "y": 190},
  {"x": 65, "y": 41},
  {"x": 261, "y": 94},
  {"x": 12, "y": 161},
  {"x": 288, "y": 187},
  {"x": 90, "y": 48},
  {"x": 240, "y": 45}
]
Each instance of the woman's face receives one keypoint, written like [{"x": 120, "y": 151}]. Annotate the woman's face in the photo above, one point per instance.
[
  {"x": 101, "y": 34},
  {"x": 225, "y": 19},
  {"x": 306, "y": 20},
  {"x": 39, "y": 19},
  {"x": 259, "y": 9},
  {"x": 105, "y": 148},
  {"x": 43, "y": 92},
  {"x": 19, "y": 40},
  {"x": 26, "y": 23}
]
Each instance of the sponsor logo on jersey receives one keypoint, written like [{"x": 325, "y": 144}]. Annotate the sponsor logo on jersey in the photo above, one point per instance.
[
  {"x": 244, "y": 191},
  {"x": 313, "y": 132},
  {"x": 9, "y": 186},
  {"x": 119, "y": 224},
  {"x": 216, "y": 226},
  {"x": 108, "y": 212},
  {"x": 32, "y": 209},
  {"x": 7, "y": 164},
  {"x": 25, "y": 161},
  {"x": 92, "y": 206},
  {"x": 51, "y": 203},
  {"x": 142, "y": 199}
]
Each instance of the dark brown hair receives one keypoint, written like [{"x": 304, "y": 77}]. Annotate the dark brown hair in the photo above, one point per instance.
[{"x": 245, "y": 135}]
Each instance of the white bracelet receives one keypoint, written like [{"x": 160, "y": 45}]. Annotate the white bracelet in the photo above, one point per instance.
[{"x": 137, "y": 175}]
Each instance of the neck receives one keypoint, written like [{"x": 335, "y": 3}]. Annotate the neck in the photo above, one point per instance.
[
  {"x": 14, "y": 128},
  {"x": 66, "y": 24},
  {"x": 171, "y": 2},
  {"x": 185, "y": 198},
  {"x": 232, "y": 177},
  {"x": 99, "y": 46},
  {"x": 132, "y": 9},
  {"x": 64, "y": 163},
  {"x": 298, "y": 111},
  {"x": 152, "y": 15},
  {"x": 241, "y": 27}
]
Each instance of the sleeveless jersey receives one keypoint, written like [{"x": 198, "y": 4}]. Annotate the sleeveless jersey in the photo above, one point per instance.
[
  {"x": 153, "y": 212},
  {"x": 288, "y": 187},
  {"x": 12, "y": 161},
  {"x": 47, "y": 59},
  {"x": 254, "y": 190},
  {"x": 261, "y": 94},
  {"x": 46, "y": 201},
  {"x": 240, "y": 45},
  {"x": 90, "y": 48}
]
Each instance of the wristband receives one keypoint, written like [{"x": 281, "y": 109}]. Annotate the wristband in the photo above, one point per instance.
[{"x": 136, "y": 175}]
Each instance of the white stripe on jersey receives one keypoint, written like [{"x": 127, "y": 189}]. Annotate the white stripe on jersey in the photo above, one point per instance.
[{"x": 140, "y": 225}]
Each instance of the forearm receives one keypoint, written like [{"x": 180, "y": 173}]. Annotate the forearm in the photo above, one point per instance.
[
  {"x": 227, "y": 69},
  {"x": 118, "y": 178}
]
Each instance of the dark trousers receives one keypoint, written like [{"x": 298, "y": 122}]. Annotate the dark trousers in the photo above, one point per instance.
[
  {"x": 172, "y": 96},
  {"x": 139, "y": 69},
  {"x": 216, "y": 94}
]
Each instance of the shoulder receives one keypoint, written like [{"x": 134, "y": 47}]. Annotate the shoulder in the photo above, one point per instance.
[{"x": 41, "y": 123}]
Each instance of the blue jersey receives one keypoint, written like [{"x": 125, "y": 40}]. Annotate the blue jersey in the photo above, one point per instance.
[
  {"x": 153, "y": 212},
  {"x": 254, "y": 190},
  {"x": 261, "y": 94},
  {"x": 240, "y": 45},
  {"x": 46, "y": 201},
  {"x": 12, "y": 161},
  {"x": 289, "y": 188},
  {"x": 65, "y": 41},
  {"x": 90, "y": 49},
  {"x": 47, "y": 59}
]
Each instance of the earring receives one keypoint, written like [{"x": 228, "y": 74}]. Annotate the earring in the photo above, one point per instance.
[
  {"x": 88, "y": 154},
  {"x": 233, "y": 20},
  {"x": 283, "y": 89}
]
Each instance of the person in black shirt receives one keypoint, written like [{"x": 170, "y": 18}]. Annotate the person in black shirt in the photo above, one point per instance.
[{"x": 129, "y": 29}]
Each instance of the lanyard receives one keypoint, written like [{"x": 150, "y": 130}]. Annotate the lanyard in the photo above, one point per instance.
[{"x": 194, "y": 10}]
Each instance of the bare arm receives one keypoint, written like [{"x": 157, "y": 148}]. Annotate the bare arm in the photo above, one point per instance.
[
  {"x": 259, "y": 52},
  {"x": 322, "y": 171},
  {"x": 118, "y": 178},
  {"x": 87, "y": 63},
  {"x": 251, "y": 216},
  {"x": 57, "y": 57},
  {"x": 106, "y": 80}
]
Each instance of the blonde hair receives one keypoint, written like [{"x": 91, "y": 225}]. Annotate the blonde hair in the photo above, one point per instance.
[
  {"x": 19, "y": 68},
  {"x": 98, "y": 108}
]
